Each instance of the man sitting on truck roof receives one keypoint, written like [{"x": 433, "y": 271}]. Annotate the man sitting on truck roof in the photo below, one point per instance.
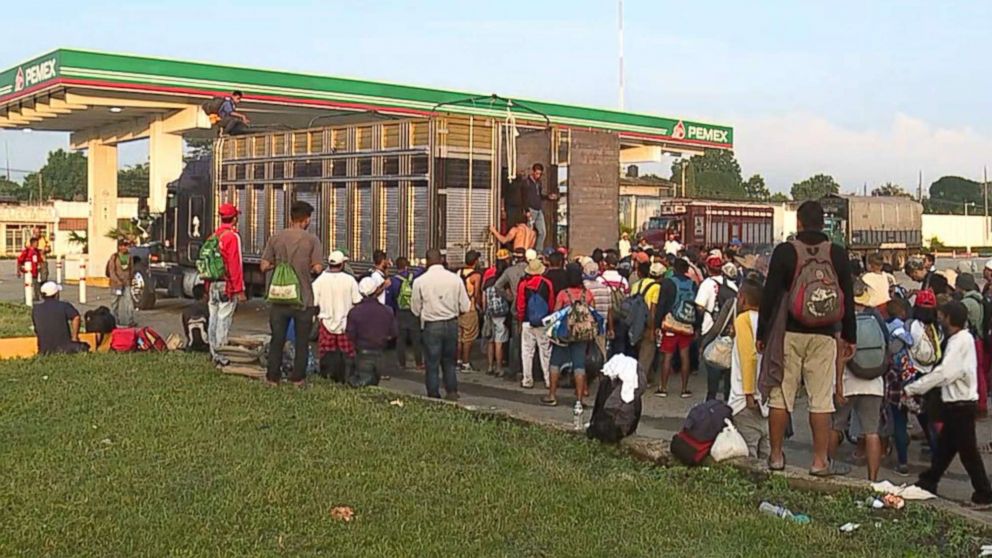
[
  {"x": 521, "y": 234},
  {"x": 232, "y": 122}
]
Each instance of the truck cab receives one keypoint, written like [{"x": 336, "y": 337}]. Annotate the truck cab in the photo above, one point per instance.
[{"x": 657, "y": 229}]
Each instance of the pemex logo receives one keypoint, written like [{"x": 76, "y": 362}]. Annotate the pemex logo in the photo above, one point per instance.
[
  {"x": 679, "y": 131},
  {"x": 19, "y": 80}
]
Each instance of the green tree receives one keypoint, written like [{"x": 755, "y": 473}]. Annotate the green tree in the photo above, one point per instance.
[
  {"x": 714, "y": 174},
  {"x": 778, "y": 197},
  {"x": 949, "y": 194},
  {"x": 132, "y": 182},
  {"x": 63, "y": 177},
  {"x": 815, "y": 187},
  {"x": 890, "y": 189},
  {"x": 9, "y": 188},
  {"x": 755, "y": 188}
]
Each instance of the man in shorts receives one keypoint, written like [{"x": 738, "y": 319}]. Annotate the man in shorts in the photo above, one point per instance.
[{"x": 809, "y": 353}]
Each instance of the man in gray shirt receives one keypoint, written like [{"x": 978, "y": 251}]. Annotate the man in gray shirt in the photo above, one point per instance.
[
  {"x": 438, "y": 298},
  {"x": 301, "y": 249},
  {"x": 506, "y": 286}
]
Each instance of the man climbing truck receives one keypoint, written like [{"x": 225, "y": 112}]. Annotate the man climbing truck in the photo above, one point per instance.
[{"x": 223, "y": 113}]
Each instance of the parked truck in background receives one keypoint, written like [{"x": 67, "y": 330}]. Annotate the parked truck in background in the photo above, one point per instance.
[
  {"x": 706, "y": 223},
  {"x": 892, "y": 225}
]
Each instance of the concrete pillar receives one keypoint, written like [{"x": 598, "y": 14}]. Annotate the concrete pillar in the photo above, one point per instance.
[
  {"x": 101, "y": 185},
  {"x": 165, "y": 163}
]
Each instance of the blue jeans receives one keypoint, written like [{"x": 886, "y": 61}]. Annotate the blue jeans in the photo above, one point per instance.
[
  {"x": 440, "y": 341},
  {"x": 221, "y": 309},
  {"x": 537, "y": 216}
]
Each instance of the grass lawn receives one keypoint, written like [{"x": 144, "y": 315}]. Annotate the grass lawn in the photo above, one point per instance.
[
  {"x": 126, "y": 455},
  {"x": 15, "y": 320}
]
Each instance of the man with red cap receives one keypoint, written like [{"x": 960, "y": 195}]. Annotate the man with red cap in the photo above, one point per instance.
[{"x": 225, "y": 294}]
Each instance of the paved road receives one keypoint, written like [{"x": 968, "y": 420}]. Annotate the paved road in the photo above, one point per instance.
[{"x": 661, "y": 417}]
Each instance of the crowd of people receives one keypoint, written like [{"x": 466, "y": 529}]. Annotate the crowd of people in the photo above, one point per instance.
[{"x": 868, "y": 353}]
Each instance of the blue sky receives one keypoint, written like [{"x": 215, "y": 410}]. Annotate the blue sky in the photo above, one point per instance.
[{"x": 866, "y": 91}]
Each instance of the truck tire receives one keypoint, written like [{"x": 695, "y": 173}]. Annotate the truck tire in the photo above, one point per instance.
[{"x": 142, "y": 290}]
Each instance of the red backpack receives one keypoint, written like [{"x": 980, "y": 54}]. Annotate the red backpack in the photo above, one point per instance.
[
  {"x": 815, "y": 299},
  {"x": 124, "y": 339},
  {"x": 150, "y": 340}
]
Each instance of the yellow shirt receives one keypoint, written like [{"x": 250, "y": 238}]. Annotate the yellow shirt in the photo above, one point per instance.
[{"x": 652, "y": 290}]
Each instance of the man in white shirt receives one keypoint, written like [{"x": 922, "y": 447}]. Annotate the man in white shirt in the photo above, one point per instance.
[
  {"x": 708, "y": 299},
  {"x": 957, "y": 377},
  {"x": 877, "y": 281},
  {"x": 380, "y": 264},
  {"x": 335, "y": 293},
  {"x": 439, "y": 296},
  {"x": 672, "y": 245}
]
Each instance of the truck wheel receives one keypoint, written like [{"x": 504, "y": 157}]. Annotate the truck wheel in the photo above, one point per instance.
[{"x": 142, "y": 291}]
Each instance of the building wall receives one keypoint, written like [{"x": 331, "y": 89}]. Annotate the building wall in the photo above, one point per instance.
[
  {"x": 59, "y": 217},
  {"x": 958, "y": 231}
]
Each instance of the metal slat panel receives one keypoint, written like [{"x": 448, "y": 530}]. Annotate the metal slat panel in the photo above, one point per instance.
[
  {"x": 419, "y": 233},
  {"x": 260, "y": 221},
  {"x": 279, "y": 208},
  {"x": 339, "y": 218},
  {"x": 363, "y": 203},
  {"x": 391, "y": 219}
]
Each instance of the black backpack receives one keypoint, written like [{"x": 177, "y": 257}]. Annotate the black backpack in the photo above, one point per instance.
[
  {"x": 612, "y": 419},
  {"x": 212, "y": 105},
  {"x": 981, "y": 330},
  {"x": 724, "y": 295},
  {"x": 99, "y": 320}
]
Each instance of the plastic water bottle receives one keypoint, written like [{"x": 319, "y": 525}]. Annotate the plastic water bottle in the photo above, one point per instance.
[
  {"x": 784, "y": 513},
  {"x": 577, "y": 415},
  {"x": 772, "y": 509}
]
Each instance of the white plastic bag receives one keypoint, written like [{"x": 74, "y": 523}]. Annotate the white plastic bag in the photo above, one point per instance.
[{"x": 729, "y": 443}]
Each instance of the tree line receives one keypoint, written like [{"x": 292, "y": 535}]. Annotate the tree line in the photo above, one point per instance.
[{"x": 63, "y": 177}]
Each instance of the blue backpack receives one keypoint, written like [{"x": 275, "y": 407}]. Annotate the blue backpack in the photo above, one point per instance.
[
  {"x": 537, "y": 305},
  {"x": 684, "y": 308}
]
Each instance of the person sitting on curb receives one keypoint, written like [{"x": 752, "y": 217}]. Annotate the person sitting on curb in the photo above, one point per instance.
[{"x": 56, "y": 323}]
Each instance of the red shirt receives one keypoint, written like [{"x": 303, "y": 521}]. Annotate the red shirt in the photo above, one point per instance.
[
  {"x": 532, "y": 282},
  {"x": 32, "y": 255},
  {"x": 230, "y": 250}
]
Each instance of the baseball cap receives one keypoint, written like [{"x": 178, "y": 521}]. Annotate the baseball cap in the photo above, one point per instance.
[
  {"x": 549, "y": 250},
  {"x": 228, "y": 210},
  {"x": 50, "y": 288},
  {"x": 714, "y": 262},
  {"x": 862, "y": 293},
  {"x": 502, "y": 254},
  {"x": 530, "y": 254},
  {"x": 337, "y": 257},
  {"x": 657, "y": 269},
  {"x": 926, "y": 299},
  {"x": 367, "y": 286},
  {"x": 640, "y": 257},
  {"x": 965, "y": 282},
  {"x": 729, "y": 269}
]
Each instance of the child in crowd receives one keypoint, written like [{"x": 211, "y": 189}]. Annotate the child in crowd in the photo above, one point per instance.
[
  {"x": 860, "y": 396},
  {"x": 901, "y": 371},
  {"x": 750, "y": 414}
]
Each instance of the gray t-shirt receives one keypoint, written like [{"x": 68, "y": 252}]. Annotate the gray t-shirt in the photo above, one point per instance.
[{"x": 300, "y": 249}]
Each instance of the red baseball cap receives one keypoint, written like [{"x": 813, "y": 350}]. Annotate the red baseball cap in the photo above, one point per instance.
[
  {"x": 714, "y": 262},
  {"x": 228, "y": 210},
  {"x": 926, "y": 299}
]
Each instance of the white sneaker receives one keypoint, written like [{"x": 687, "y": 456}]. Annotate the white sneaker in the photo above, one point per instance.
[
  {"x": 527, "y": 384},
  {"x": 577, "y": 409}
]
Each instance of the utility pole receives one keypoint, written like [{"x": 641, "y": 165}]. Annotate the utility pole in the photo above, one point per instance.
[
  {"x": 985, "y": 184},
  {"x": 39, "y": 188},
  {"x": 919, "y": 188},
  {"x": 6, "y": 150},
  {"x": 620, "y": 36}
]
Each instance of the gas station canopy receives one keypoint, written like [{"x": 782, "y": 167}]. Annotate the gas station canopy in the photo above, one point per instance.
[{"x": 115, "y": 97}]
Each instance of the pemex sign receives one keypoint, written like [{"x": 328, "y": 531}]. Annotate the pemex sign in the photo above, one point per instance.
[{"x": 26, "y": 76}]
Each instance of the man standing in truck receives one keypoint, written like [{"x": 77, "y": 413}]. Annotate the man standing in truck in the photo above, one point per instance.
[{"x": 533, "y": 198}]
